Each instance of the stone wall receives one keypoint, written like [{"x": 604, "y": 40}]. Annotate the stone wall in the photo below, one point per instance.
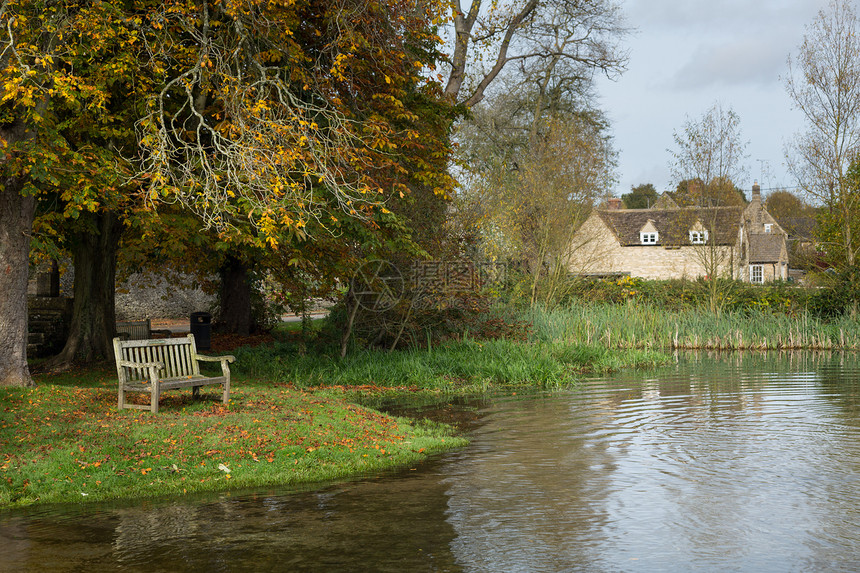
[
  {"x": 657, "y": 262},
  {"x": 140, "y": 296},
  {"x": 151, "y": 296},
  {"x": 49, "y": 320}
]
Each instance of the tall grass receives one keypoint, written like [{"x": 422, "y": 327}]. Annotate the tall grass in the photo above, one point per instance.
[
  {"x": 638, "y": 325},
  {"x": 457, "y": 366}
]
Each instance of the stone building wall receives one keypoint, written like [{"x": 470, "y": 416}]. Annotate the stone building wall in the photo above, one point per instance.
[
  {"x": 141, "y": 295},
  {"x": 657, "y": 262},
  {"x": 598, "y": 252},
  {"x": 48, "y": 324},
  {"x": 150, "y": 296}
]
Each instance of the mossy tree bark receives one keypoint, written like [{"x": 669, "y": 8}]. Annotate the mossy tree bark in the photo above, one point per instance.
[
  {"x": 94, "y": 311},
  {"x": 16, "y": 222}
]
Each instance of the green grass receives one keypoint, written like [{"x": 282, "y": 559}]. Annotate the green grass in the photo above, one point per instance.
[
  {"x": 66, "y": 442},
  {"x": 464, "y": 367}
]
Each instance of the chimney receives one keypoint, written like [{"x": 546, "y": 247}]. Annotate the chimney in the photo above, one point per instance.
[
  {"x": 756, "y": 193},
  {"x": 613, "y": 204}
]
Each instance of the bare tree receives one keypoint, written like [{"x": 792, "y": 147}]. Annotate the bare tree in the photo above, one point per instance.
[
  {"x": 824, "y": 83},
  {"x": 709, "y": 156},
  {"x": 583, "y": 34},
  {"x": 711, "y": 152}
]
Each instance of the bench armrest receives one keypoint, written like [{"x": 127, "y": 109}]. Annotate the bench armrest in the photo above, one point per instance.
[
  {"x": 225, "y": 368},
  {"x": 227, "y": 358}
]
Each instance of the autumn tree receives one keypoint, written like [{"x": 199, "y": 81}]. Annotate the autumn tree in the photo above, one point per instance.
[
  {"x": 26, "y": 39},
  {"x": 526, "y": 190},
  {"x": 721, "y": 192},
  {"x": 834, "y": 232},
  {"x": 281, "y": 126},
  {"x": 94, "y": 197},
  {"x": 791, "y": 211},
  {"x": 798, "y": 219},
  {"x": 539, "y": 123},
  {"x": 823, "y": 81},
  {"x": 262, "y": 135},
  {"x": 62, "y": 65}
]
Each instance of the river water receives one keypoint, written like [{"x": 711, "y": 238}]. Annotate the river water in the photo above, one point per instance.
[{"x": 742, "y": 462}]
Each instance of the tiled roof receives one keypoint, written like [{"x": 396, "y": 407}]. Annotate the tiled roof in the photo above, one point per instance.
[
  {"x": 673, "y": 225},
  {"x": 766, "y": 247},
  {"x": 799, "y": 227}
]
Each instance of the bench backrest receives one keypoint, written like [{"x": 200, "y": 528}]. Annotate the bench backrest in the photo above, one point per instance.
[
  {"x": 179, "y": 356},
  {"x": 136, "y": 329}
]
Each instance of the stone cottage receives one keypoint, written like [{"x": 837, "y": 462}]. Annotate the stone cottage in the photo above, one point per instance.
[{"x": 667, "y": 241}]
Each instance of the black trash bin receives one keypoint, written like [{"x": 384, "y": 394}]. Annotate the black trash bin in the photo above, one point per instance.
[{"x": 201, "y": 328}]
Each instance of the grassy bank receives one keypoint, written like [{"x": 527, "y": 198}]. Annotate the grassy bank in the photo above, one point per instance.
[
  {"x": 638, "y": 325},
  {"x": 457, "y": 367},
  {"x": 290, "y": 419},
  {"x": 64, "y": 441}
]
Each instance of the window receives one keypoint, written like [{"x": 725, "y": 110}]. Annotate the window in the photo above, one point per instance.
[
  {"x": 648, "y": 238},
  {"x": 768, "y": 227},
  {"x": 756, "y": 274},
  {"x": 698, "y": 237}
]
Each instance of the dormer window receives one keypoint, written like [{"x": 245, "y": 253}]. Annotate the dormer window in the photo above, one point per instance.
[
  {"x": 698, "y": 237},
  {"x": 648, "y": 238}
]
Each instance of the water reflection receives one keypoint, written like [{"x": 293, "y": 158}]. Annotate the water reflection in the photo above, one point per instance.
[
  {"x": 382, "y": 525},
  {"x": 735, "y": 462},
  {"x": 739, "y": 462}
]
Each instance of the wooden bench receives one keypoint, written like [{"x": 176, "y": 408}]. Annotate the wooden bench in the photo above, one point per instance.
[
  {"x": 138, "y": 330},
  {"x": 154, "y": 366},
  {"x": 134, "y": 329}
]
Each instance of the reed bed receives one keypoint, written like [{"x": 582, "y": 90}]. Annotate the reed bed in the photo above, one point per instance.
[{"x": 642, "y": 326}]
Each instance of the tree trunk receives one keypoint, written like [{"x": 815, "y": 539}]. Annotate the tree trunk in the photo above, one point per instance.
[
  {"x": 94, "y": 310},
  {"x": 236, "y": 316},
  {"x": 16, "y": 222}
]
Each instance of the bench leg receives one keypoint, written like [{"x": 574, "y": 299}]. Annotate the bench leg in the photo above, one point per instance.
[
  {"x": 121, "y": 398},
  {"x": 195, "y": 392},
  {"x": 225, "y": 398},
  {"x": 153, "y": 400}
]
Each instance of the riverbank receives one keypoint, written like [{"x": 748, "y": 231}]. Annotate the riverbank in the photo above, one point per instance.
[
  {"x": 293, "y": 418},
  {"x": 64, "y": 441},
  {"x": 300, "y": 416}
]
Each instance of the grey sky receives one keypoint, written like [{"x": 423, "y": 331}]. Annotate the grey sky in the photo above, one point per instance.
[{"x": 686, "y": 55}]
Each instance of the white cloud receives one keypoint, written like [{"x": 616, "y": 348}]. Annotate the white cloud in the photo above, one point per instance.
[
  {"x": 687, "y": 54},
  {"x": 744, "y": 62}
]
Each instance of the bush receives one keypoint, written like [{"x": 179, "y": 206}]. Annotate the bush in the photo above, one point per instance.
[
  {"x": 681, "y": 294},
  {"x": 837, "y": 292}
]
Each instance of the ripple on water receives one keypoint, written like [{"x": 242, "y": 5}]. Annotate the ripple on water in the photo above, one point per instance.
[{"x": 749, "y": 469}]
